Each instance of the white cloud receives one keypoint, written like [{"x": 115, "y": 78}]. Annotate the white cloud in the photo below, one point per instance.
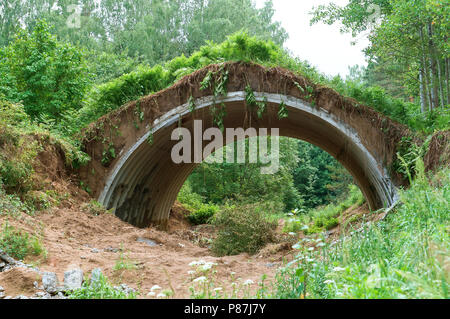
[{"x": 320, "y": 44}]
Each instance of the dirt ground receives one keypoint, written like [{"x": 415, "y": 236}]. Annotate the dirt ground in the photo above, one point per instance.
[{"x": 74, "y": 238}]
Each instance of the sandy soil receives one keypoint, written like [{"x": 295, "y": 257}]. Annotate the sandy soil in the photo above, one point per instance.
[{"x": 74, "y": 238}]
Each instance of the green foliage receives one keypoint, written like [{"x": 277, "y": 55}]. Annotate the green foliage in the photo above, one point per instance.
[
  {"x": 48, "y": 76},
  {"x": 124, "y": 263},
  {"x": 200, "y": 212},
  {"x": 100, "y": 289},
  {"x": 203, "y": 215},
  {"x": 324, "y": 218},
  {"x": 19, "y": 244},
  {"x": 403, "y": 256},
  {"x": 242, "y": 229},
  {"x": 319, "y": 177}
]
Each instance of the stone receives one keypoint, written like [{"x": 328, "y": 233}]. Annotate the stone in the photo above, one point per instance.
[
  {"x": 2, "y": 289},
  {"x": 2, "y": 295},
  {"x": 147, "y": 241},
  {"x": 50, "y": 282},
  {"x": 96, "y": 276},
  {"x": 95, "y": 250},
  {"x": 73, "y": 279},
  {"x": 111, "y": 250}
]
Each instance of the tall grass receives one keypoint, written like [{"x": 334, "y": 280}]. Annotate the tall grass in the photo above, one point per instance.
[
  {"x": 324, "y": 217},
  {"x": 404, "y": 256}
]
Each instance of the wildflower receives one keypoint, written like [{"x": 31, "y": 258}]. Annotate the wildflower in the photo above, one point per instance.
[
  {"x": 197, "y": 263},
  {"x": 248, "y": 282},
  {"x": 191, "y": 272},
  {"x": 292, "y": 234},
  {"x": 155, "y": 287},
  {"x": 151, "y": 294},
  {"x": 217, "y": 289},
  {"x": 328, "y": 281},
  {"x": 200, "y": 279},
  {"x": 320, "y": 244},
  {"x": 297, "y": 246},
  {"x": 336, "y": 269},
  {"x": 311, "y": 248},
  {"x": 160, "y": 295},
  {"x": 305, "y": 227}
]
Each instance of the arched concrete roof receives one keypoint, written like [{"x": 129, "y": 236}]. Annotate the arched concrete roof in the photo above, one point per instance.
[{"x": 142, "y": 182}]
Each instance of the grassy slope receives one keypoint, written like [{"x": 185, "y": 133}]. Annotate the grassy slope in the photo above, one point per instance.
[{"x": 403, "y": 256}]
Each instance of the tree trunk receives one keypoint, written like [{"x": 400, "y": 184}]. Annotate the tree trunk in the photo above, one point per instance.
[
  {"x": 433, "y": 70},
  {"x": 423, "y": 102}
]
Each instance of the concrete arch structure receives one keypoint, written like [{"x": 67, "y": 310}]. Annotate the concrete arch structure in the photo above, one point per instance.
[{"x": 142, "y": 182}]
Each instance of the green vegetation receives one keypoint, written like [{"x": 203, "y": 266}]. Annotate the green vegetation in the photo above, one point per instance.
[
  {"x": 403, "y": 256},
  {"x": 100, "y": 289},
  {"x": 324, "y": 218},
  {"x": 123, "y": 262},
  {"x": 19, "y": 244},
  {"x": 241, "y": 229}
]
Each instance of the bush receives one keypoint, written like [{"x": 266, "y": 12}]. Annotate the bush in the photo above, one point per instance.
[
  {"x": 203, "y": 215},
  {"x": 242, "y": 229},
  {"x": 101, "y": 289},
  {"x": 19, "y": 244}
]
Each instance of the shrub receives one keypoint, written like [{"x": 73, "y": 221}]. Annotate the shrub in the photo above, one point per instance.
[
  {"x": 18, "y": 243},
  {"x": 242, "y": 229},
  {"x": 203, "y": 215},
  {"x": 101, "y": 289}
]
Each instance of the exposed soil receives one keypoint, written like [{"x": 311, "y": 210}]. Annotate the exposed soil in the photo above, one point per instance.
[{"x": 74, "y": 238}]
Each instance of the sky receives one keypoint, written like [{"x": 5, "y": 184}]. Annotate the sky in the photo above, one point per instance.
[{"x": 322, "y": 45}]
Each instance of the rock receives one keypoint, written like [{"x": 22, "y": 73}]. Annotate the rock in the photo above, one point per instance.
[
  {"x": 50, "y": 282},
  {"x": 73, "y": 279},
  {"x": 7, "y": 297},
  {"x": 124, "y": 288},
  {"x": 111, "y": 250},
  {"x": 5, "y": 257},
  {"x": 96, "y": 276},
  {"x": 1, "y": 289},
  {"x": 147, "y": 241},
  {"x": 2, "y": 295},
  {"x": 41, "y": 294},
  {"x": 95, "y": 250},
  {"x": 21, "y": 297},
  {"x": 2, "y": 265},
  {"x": 61, "y": 295}
]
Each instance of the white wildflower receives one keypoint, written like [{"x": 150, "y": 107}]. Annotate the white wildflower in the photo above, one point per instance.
[
  {"x": 336, "y": 269},
  {"x": 151, "y": 294},
  {"x": 155, "y": 287},
  {"x": 200, "y": 279},
  {"x": 160, "y": 295},
  {"x": 248, "y": 282}
]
